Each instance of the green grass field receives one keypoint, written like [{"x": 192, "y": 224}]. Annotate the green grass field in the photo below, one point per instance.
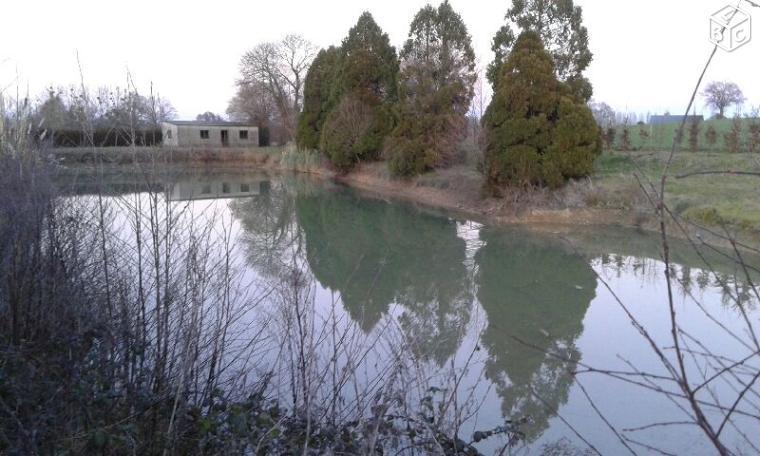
[
  {"x": 660, "y": 137},
  {"x": 707, "y": 199}
]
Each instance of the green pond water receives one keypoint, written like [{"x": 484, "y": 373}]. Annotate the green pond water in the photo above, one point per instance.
[{"x": 510, "y": 313}]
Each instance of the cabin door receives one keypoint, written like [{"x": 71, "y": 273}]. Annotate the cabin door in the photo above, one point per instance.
[{"x": 225, "y": 138}]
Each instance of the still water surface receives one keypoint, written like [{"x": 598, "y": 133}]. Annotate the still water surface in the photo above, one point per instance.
[{"x": 516, "y": 311}]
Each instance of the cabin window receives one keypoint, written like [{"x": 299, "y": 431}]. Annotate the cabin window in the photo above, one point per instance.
[
  {"x": 225, "y": 187},
  {"x": 168, "y": 134},
  {"x": 245, "y": 188},
  {"x": 204, "y": 134},
  {"x": 206, "y": 190},
  {"x": 244, "y": 134}
]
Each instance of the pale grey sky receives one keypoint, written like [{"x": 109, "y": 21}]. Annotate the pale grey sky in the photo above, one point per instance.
[{"x": 647, "y": 53}]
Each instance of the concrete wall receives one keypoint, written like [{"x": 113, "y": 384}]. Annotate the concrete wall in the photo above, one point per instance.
[{"x": 190, "y": 136}]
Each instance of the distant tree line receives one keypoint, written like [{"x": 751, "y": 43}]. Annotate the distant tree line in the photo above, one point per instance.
[
  {"x": 108, "y": 117},
  {"x": 737, "y": 134}
]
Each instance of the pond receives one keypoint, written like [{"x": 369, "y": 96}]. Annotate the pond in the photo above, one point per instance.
[{"x": 513, "y": 320}]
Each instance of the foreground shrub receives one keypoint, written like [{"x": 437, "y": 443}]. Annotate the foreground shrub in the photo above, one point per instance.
[
  {"x": 354, "y": 131},
  {"x": 119, "y": 332},
  {"x": 537, "y": 132}
]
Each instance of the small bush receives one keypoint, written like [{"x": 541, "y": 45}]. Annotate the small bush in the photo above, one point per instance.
[
  {"x": 754, "y": 135},
  {"x": 609, "y": 138},
  {"x": 704, "y": 215},
  {"x": 733, "y": 139},
  {"x": 643, "y": 136},
  {"x": 711, "y": 136},
  {"x": 625, "y": 139},
  {"x": 694, "y": 130},
  {"x": 354, "y": 131}
]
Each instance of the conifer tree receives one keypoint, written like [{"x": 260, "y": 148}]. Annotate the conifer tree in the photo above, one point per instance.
[
  {"x": 625, "y": 138},
  {"x": 559, "y": 24},
  {"x": 537, "y": 131},
  {"x": 753, "y": 142},
  {"x": 367, "y": 82},
  {"x": 733, "y": 138},
  {"x": 711, "y": 136},
  {"x": 319, "y": 83},
  {"x": 643, "y": 137},
  {"x": 436, "y": 88},
  {"x": 609, "y": 137},
  {"x": 694, "y": 129}
]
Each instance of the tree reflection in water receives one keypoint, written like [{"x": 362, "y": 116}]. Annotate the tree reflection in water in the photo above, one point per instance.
[
  {"x": 270, "y": 231},
  {"x": 390, "y": 260},
  {"x": 377, "y": 254},
  {"x": 537, "y": 293}
]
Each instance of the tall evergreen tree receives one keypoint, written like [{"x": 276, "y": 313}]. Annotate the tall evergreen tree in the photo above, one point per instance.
[
  {"x": 317, "y": 103},
  {"x": 436, "y": 88},
  {"x": 537, "y": 131},
  {"x": 369, "y": 66},
  {"x": 559, "y": 24},
  {"x": 367, "y": 83}
]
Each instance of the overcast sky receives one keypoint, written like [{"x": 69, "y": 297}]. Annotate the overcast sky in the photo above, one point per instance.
[{"x": 647, "y": 53}]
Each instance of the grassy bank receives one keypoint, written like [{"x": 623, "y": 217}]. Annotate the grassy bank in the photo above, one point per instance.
[
  {"x": 706, "y": 199},
  {"x": 611, "y": 196}
]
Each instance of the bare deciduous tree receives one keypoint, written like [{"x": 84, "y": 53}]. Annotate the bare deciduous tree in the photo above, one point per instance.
[
  {"x": 722, "y": 95},
  {"x": 280, "y": 68},
  {"x": 480, "y": 100},
  {"x": 253, "y": 103},
  {"x": 603, "y": 114}
]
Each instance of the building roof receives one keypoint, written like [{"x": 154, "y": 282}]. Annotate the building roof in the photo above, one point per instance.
[
  {"x": 200, "y": 123},
  {"x": 669, "y": 119}
]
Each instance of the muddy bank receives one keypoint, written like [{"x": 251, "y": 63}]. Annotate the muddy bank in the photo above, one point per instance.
[{"x": 472, "y": 203}]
